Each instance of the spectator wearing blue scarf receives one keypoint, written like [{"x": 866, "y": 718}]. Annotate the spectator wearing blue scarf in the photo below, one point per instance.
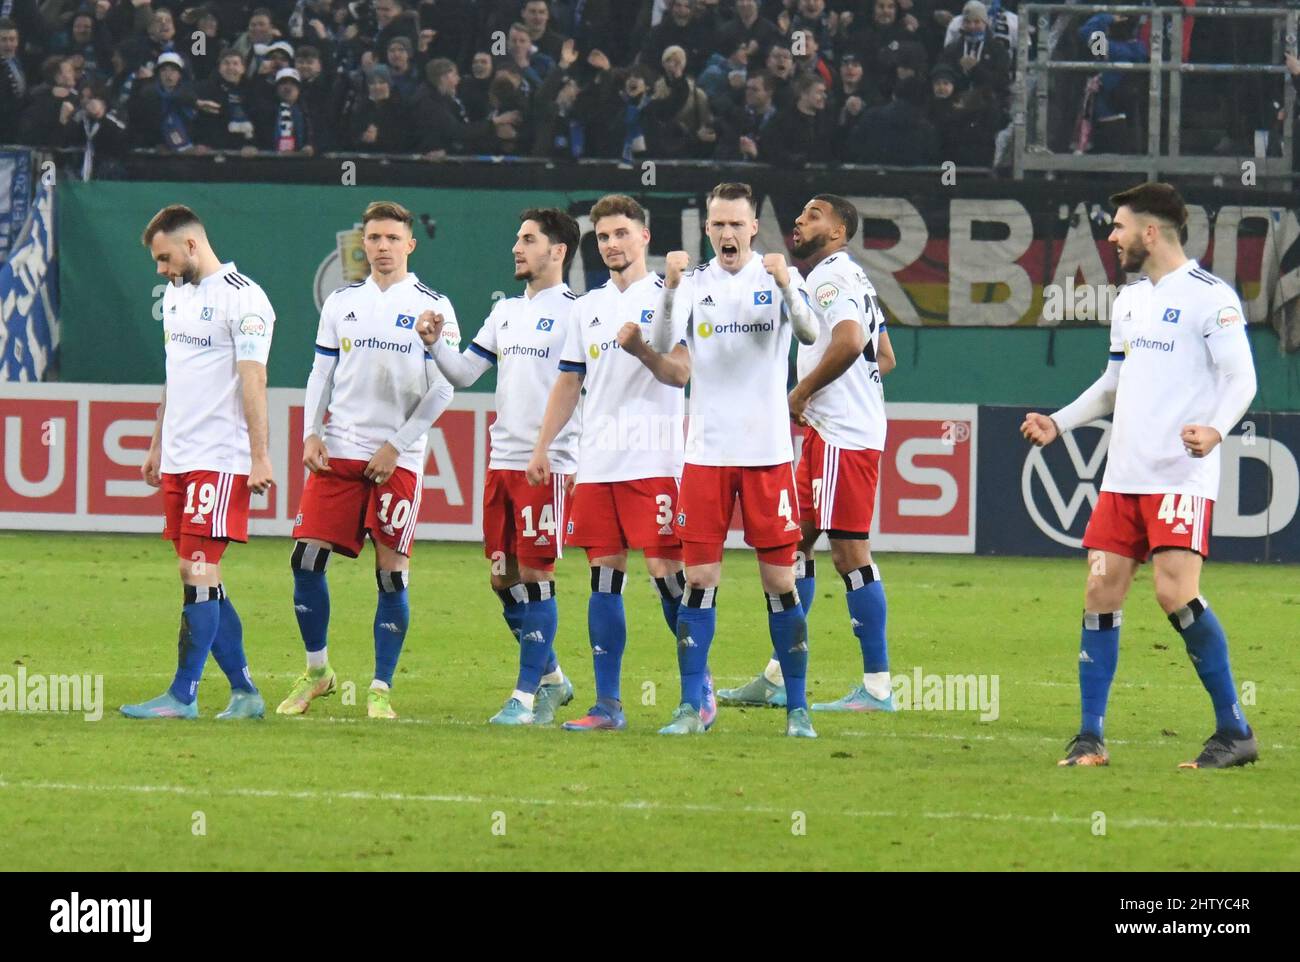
[
  {"x": 283, "y": 126},
  {"x": 162, "y": 113}
]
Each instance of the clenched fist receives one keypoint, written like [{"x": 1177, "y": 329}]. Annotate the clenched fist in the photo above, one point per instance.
[
  {"x": 775, "y": 265},
  {"x": 630, "y": 338},
  {"x": 429, "y": 326},
  {"x": 1039, "y": 429},
  {"x": 675, "y": 265}
]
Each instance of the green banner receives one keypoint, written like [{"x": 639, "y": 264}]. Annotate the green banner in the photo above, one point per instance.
[{"x": 296, "y": 241}]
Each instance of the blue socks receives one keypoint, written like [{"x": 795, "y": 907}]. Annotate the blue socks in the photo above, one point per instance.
[
  {"x": 311, "y": 596},
  {"x": 1098, "y": 656},
  {"x": 697, "y": 620},
  {"x": 865, "y": 595},
  {"x": 607, "y": 629},
  {"x": 228, "y": 646},
  {"x": 392, "y": 618},
  {"x": 789, "y": 630},
  {"x": 1207, "y": 646},
  {"x": 805, "y": 581},
  {"x": 537, "y": 634},
  {"x": 670, "y": 596},
  {"x": 199, "y": 620},
  {"x": 513, "y": 600}
]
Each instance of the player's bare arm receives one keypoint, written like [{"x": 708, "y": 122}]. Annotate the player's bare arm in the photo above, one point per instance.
[
  {"x": 673, "y": 368},
  {"x": 885, "y": 358},
  {"x": 848, "y": 341},
  {"x": 801, "y": 319},
  {"x": 152, "y": 467},
  {"x": 252, "y": 386},
  {"x": 560, "y": 405}
]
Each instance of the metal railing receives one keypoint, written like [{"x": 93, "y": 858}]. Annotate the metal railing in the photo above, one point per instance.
[{"x": 1035, "y": 69}]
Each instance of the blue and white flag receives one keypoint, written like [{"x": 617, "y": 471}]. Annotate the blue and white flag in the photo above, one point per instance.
[{"x": 29, "y": 297}]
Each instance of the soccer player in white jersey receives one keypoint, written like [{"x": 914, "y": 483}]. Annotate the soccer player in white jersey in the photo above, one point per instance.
[
  {"x": 840, "y": 402},
  {"x": 523, "y": 525},
  {"x": 209, "y": 449},
  {"x": 629, "y": 453},
  {"x": 740, "y": 308},
  {"x": 1180, "y": 377},
  {"x": 382, "y": 392}
]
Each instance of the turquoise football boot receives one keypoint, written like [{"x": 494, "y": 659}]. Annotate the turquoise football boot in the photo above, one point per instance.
[
  {"x": 164, "y": 706},
  {"x": 798, "y": 724},
  {"x": 244, "y": 704},
  {"x": 512, "y": 713},
  {"x": 686, "y": 721},
  {"x": 549, "y": 698},
  {"x": 758, "y": 692},
  {"x": 859, "y": 699}
]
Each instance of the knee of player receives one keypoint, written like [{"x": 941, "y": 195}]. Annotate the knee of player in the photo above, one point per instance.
[
  {"x": 703, "y": 576},
  {"x": 849, "y": 555},
  {"x": 1172, "y": 594}
]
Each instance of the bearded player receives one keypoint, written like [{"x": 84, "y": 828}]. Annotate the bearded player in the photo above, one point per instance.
[
  {"x": 740, "y": 309},
  {"x": 1180, "y": 377},
  {"x": 629, "y": 451},
  {"x": 209, "y": 449},
  {"x": 523, "y": 525},
  {"x": 382, "y": 393}
]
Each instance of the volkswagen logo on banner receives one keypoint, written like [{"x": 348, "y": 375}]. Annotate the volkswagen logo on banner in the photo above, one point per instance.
[{"x": 1060, "y": 483}]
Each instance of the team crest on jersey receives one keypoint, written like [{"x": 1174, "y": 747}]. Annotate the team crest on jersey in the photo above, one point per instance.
[
  {"x": 206, "y": 315},
  {"x": 762, "y": 298},
  {"x": 1171, "y": 315},
  {"x": 406, "y": 321},
  {"x": 826, "y": 294},
  {"x": 681, "y": 519},
  {"x": 1227, "y": 317},
  {"x": 569, "y": 528},
  {"x": 647, "y": 316},
  {"x": 545, "y": 323}
]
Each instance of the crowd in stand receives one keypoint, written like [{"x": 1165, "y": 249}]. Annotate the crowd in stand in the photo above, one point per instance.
[{"x": 783, "y": 82}]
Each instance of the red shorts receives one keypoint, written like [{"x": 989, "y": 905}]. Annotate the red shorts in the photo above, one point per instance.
[
  {"x": 525, "y": 521},
  {"x": 1135, "y": 525},
  {"x": 837, "y": 486},
  {"x": 203, "y": 510},
  {"x": 342, "y": 504},
  {"x": 769, "y": 505},
  {"x": 612, "y": 516}
]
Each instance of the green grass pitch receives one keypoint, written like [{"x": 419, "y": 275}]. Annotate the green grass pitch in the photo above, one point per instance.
[{"x": 441, "y": 789}]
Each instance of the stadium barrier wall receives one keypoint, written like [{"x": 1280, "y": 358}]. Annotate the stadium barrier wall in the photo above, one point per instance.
[
  {"x": 954, "y": 477},
  {"x": 960, "y": 331}
]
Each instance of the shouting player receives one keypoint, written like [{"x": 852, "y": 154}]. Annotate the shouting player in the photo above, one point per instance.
[
  {"x": 630, "y": 450},
  {"x": 382, "y": 393},
  {"x": 523, "y": 525},
  {"x": 1180, "y": 376},
  {"x": 738, "y": 445},
  {"x": 209, "y": 449},
  {"x": 841, "y": 404}
]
